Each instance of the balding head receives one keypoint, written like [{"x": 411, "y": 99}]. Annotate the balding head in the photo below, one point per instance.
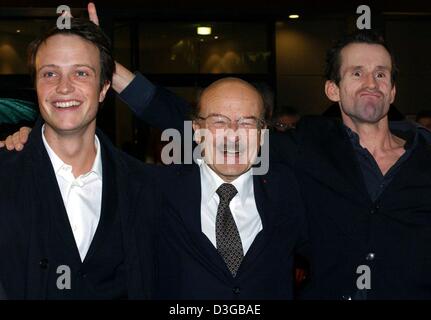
[{"x": 231, "y": 91}]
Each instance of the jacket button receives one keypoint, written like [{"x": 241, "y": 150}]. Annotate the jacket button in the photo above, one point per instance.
[
  {"x": 236, "y": 290},
  {"x": 370, "y": 256},
  {"x": 43, "y": 263},
  {"x": 82, "y": 274},
  {"x": 375, "y": 208}
]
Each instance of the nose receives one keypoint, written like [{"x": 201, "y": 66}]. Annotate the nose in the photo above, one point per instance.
[
  {"x": 65, "y": 86},
  {"x": 370, "y": 81},
  {"x": 233, "y": 125},
  {"x": 230, "y": 133}
]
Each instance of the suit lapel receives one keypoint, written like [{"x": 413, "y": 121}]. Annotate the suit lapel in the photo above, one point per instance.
[
  {"x": 266, "y": 212},
  {"x": 119, "y": 192},
  {"x": 331, "y": 160},
  {"x": 188, "y": 198},
  {"x": 186, "y": 190},
  {"x": 52, "y": 202},
  {"x": 417, "y": 166},
  {"x": 109, "y": 199}
]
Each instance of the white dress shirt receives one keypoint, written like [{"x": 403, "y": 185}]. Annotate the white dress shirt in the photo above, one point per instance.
[
  {"x": 242, "y": 206},
  {"x": 82, "y": 196}
]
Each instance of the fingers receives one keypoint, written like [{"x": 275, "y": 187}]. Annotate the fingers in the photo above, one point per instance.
[
  {"x": 300, "y": 275},
  {"x": 92, "y": 13},
  {"x": 17, "y": 140},
  {"x": 2, "y": 144},
  {"x": 17, "y": 145},
  {"x": 23, "y": 134},
  {"x": 12, "y": 142},
  {"x": 121, "y": 78}
]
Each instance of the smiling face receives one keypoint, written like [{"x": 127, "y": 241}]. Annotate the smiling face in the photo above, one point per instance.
[
  {"x": 365, "y": 91},
  {"x": 230, "y": 150},
  {"x": 67, "y": 83}
]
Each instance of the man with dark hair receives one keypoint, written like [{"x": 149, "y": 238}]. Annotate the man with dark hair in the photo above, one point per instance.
[
  {"x": 366, "y": 183},
  {"x": 69, "y": 226},
  {"x": 334, "y": 60},
  {"x": 86, "y": 31}
]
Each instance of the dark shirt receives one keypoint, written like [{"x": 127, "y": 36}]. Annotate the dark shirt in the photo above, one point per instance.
[{"x": 374, "y": 179}]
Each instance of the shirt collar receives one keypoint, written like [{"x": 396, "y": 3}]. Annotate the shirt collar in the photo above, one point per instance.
[
  {"x": 211, "y": 182},
  {"x": 58, "y": 164},
  {"x": 400, "y": 129}
]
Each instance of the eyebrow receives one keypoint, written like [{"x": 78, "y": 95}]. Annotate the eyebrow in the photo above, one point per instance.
[
  {"x": 378, "y": 68},
  {"x": 216, "y": 114},
  {"x": 219, "y": 114},
  {"x": 57, "y": 67},
  {"x": 383, "y": 68}
]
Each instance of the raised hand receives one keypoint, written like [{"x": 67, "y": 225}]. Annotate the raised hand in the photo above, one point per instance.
[{"x": 92, "y": 13}]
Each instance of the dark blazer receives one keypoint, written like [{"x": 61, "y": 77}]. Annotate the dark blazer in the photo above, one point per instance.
[
  {"x": 190, "y": 266},
  {"x": 30, "y": 194},
  {"x": 346, "y": 229},
  {"x": 392, "y": 236}
]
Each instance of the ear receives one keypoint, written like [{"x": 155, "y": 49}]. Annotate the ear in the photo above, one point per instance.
[
  {"x": 332, "y": 91},
  {"x": 196, "y": 129},
  {"x": 262, "y": 135},
  {"x": 104, "y": 90},
  {"x": 393, "y": 93}
]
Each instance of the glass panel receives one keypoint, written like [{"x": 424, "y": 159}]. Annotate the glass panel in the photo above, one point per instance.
[
  {"x": 175, "y": 47},
  {"x": 121, "y": 43},
  {"x": 123, "y": 115},
  {"x": 15, "y": 36},
  {"x": 409, "y": 41},
  {"x": 190, "y": 94}
]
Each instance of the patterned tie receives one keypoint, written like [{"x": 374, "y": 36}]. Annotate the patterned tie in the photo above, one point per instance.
[{"x": 227, "y": 236}]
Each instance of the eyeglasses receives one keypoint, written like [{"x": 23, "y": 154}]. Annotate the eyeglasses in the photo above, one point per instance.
[{"x": 219, "y": 121}]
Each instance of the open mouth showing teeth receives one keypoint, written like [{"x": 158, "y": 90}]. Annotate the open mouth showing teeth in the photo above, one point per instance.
[
  {"x": 231, "y": 151},
  {"x": 66, "y": 104}
]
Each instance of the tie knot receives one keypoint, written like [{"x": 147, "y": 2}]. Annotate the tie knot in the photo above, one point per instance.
[{"x": 226, "y": 192}]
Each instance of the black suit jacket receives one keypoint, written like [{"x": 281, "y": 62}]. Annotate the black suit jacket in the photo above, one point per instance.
[
  {"x": 346, "y": 229},
  {"x": 30, "y": 193},
  {"x": 190, "y": 266},
  {"x": 390, "y": 236}
]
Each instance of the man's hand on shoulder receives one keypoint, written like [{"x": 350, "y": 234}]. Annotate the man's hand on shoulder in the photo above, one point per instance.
[{"x": 17, "y": 140}]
